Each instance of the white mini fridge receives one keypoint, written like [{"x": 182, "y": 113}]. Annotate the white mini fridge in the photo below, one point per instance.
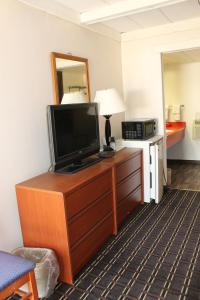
[
  {"x": 156, "y": 170},
  {"x": 152, "y": 166}
]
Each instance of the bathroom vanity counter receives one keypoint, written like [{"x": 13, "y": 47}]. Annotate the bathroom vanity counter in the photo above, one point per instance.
[{"x": 175, "y": 132}]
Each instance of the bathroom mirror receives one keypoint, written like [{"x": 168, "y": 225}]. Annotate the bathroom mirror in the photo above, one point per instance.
[{"x": 70, "y": 79}]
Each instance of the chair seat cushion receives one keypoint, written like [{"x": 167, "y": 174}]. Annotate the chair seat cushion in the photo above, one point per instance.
[{"x": 13, "y": 267}]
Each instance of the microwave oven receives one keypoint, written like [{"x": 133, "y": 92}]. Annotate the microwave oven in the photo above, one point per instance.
[{"x": 138, "y": 129}]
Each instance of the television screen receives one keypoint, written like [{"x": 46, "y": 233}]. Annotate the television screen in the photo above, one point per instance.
[{"x": 74, "y": 132}]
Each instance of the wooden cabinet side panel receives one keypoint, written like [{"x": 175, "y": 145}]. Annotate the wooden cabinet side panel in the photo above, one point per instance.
[
  {"x": 43, "y": 224},
  {"x": 114, "y": 189}
]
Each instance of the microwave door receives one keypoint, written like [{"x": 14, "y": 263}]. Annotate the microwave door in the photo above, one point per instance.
[{"x": 148, "y": 127}]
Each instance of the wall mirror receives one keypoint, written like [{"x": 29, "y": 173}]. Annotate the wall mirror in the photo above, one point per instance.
[{"x": 70, "y": 78}]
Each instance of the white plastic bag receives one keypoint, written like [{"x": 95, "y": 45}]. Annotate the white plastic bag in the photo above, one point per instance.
[{"x": 47, "y": 269}]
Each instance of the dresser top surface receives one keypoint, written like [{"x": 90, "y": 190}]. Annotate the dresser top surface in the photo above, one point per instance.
[
  {"x": 64, "y": 183},
  {"x": 123, "y": 155}
]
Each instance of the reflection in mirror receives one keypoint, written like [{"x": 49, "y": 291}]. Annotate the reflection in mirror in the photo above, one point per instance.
[{"x": 70, "y": 79}]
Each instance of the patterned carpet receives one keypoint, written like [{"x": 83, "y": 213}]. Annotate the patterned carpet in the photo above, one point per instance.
[{"x": 154, "y": 256}]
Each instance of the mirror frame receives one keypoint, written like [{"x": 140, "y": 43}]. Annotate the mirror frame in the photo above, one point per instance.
[{"x": 55, "y": 55}]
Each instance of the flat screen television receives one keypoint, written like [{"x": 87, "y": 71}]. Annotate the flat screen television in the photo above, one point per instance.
[{"x": 73, "y": 136}]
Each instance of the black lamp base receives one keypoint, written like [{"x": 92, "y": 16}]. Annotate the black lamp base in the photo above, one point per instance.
[
  {"x": 107, "y": 133},
  {"x": 107, "y": 148},
  {"x": 106, "y": 154}
]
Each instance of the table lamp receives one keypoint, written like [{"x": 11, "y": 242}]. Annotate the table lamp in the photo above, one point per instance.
[{"x": 110, "y": 103}]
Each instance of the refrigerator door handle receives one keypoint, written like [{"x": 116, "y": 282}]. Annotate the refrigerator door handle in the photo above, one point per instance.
[
  {"x": 152, "y": 172},
  {"x": 150, "y": 180}
]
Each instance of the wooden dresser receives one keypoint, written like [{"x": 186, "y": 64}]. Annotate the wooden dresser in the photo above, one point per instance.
[
  {"x": 75, "y": 214},
  {"x": 127, "y": 173}
]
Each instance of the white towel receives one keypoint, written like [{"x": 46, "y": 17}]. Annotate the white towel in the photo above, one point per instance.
[
  {"x": 177, "y": 112},
  {"x": 176, "y": 109}
]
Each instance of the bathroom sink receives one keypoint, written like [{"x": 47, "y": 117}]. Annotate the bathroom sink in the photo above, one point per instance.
[{"x": 175, "y": 132}]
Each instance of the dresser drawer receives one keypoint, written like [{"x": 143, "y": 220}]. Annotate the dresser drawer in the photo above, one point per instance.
[
  {"x": 128, "y": 185},
  {"x": 128, "y": 167},
  {"x": 89, "y": 246},
  {"x": 83, "y": 222},
  {"x": 128, "y": 204},
  {"x": 84, "y": 196}
]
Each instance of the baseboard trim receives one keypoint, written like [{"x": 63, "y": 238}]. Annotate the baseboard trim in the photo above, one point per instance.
[{"x": 195, "y": 162}]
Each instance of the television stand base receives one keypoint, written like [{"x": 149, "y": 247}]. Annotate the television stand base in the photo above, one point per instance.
[{"x": 79, "y": 165}]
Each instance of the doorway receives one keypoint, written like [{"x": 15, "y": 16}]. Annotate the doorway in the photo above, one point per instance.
[{"x": 181, "y": 73}]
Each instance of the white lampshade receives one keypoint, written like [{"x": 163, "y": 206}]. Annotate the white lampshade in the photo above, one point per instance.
[
  {"x": 74, "y": 97},
  {"x": 109, "y": 101}
]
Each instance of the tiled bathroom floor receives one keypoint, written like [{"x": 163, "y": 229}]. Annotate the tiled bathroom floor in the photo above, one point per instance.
[{"x": 185, "y": 175}]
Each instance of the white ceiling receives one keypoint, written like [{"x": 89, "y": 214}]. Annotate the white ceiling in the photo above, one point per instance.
[{"x": 135, "y": 14}]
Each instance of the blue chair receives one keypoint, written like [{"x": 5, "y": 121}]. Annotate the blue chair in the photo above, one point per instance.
[{"x": 16, "y": 271}]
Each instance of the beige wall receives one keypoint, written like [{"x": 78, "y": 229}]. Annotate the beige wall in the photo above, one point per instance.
[
  {"x": 142, "y": 76},
  {"x": 142, "y": 67},
  {"x": 27, "y": 38},
  {"x": 171, "y": 82},
  {"x": 182, "y": 87}
]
